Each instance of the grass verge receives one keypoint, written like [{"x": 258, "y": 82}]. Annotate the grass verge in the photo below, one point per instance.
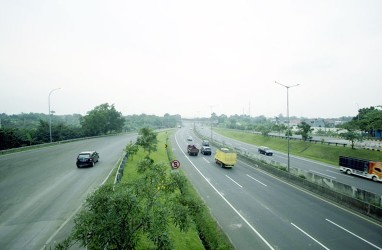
[
  {"x": 205, "y": 232},
  {"x": 315, "y": 151}
]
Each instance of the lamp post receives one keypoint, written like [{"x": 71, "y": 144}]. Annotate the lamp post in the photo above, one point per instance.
[
  {"x": 50, "y": 114},
  {"x": 288, "y": 133}
]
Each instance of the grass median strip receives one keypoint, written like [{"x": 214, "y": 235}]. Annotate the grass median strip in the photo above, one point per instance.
[{"x": 204, "y": 232}]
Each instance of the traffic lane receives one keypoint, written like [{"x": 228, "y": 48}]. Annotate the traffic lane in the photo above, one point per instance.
[
  {"x": 323, "y": 169},
  {"x": 298, "y": 226},
  {"x": 296, "y": 211},
  {"x": 240, "y": 234},
  {"x": 47, "y": 187},
  {"x": 235, "y": 225},
  {"x": 332, "y": 172}
]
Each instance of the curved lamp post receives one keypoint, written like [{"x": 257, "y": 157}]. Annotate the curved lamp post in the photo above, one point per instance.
[
  {"x": 50, "y": 114},
  {"x": 288, "y": 134}
]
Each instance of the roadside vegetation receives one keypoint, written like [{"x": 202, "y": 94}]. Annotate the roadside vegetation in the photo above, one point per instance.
[
  {"x": 153, "y": 207},
  {"x": 33, "y": 129},
  {"x": 315, "y": 151}
]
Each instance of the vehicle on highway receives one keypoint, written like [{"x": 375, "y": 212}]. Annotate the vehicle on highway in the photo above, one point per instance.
[
  {"x": 189, "y": 138},
  {"x": 205, "y": 143},
  {"x": 364, "y": 168},
  {"x": 192, "y": 150},
  {"x": 265, "y": 151},
  {"x": 225, "y": 157},
  {"x": 205, "y": 150},
  {"x": 87, "y": 159}
]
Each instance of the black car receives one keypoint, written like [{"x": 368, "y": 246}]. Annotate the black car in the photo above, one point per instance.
[
  {"x": 265, "y": 151},
  {"x": 205, "y": 150},
  {"x": 87, "y": 158}
]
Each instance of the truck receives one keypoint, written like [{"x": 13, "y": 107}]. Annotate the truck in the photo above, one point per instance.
[
  {"x": 225, "y": 157},
  {"x": 192, "y": 150},
  {"x": 364, "y": 168}
]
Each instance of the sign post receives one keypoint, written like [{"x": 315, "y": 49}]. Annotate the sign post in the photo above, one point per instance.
[{"x": 175, "y": 164}]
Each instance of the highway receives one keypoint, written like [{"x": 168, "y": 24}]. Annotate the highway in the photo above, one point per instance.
[
  {"x": 259, "y": 211},
  {"x": 41, "y": 189},
  {"x": 319, "y": 168}
]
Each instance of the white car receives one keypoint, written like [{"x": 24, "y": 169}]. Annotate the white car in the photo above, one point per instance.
[{"x": 189, "y": 138}]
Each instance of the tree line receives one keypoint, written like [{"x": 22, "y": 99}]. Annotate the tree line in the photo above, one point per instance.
[
  {"x": 33, "y": 128},
  {"x": 367, "y": 124}
]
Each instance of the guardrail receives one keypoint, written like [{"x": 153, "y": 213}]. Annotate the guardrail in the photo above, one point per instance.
[
  {"x": 13, "y": 150},
  {"x": 365, "y": 202},
  {"x": 119, "y": 174}
]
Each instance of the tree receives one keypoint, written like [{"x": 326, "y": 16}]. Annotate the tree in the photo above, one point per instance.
[
  {"x": 305, "y": 130},
  {"x": 118, "y": 217},
  {"x": 351, "y": 133},
  {"x": 131, "y": 149},
  {"x": 147, "y": 139},
  {"x": 368, "y": 120},
  {"x": 103, "y": 119}
]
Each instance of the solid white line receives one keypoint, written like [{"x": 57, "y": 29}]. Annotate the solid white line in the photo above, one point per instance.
[
  {"x": 257, "y": 180},
  {"x": 312, "y": 171},
  {"x": 312, "y": 194},
  {"x": 354, "y": 234},
  {"x": 229, "y": 204},
  {"x": 234, "y": 181},
  {"x": 334, "y": 172},
  {"x": 76, "y": 211},
  {"x": 309, "y": 236},
  {"x": 59, "y": 229}
]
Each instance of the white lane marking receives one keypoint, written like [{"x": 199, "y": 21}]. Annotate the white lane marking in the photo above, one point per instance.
[
  {"x": 257, "y": 180},
  {"x": 206, "y": 160},
  {"x": 333, "y": 172},
  {"x": 234, "y": 181},
  {"x": 312, "y": 171},
  {"x": 354, "y": 234},
  {"x": 76, "y": 211},
  {"x": 340, "y": 173},
  {"x": 310, "y": 236},
  {"x": 229, "y": 204},
  {"x": 312, "y": 194}
]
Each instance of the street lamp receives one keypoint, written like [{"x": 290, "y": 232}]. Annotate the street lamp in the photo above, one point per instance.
[
  {"x": 50, "y": 114},
  {"x": 288, "y": 133}
]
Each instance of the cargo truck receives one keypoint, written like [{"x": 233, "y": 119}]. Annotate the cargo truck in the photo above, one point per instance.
[
  {"x": 364, "y": 168},
  {"x": 192, "y": 150},
  {"x": 225, "y": 157}
]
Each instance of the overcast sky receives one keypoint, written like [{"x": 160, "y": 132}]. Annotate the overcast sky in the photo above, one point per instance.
[{"x": 191, "y": 57}]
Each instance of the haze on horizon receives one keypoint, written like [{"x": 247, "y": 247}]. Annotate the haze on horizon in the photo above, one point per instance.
[{"x": 191, "y": 57}]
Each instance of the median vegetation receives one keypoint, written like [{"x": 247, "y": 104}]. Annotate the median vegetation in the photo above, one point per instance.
[
  {"x": 153, "y": 207},
  {"x": 315, "y": 151}
]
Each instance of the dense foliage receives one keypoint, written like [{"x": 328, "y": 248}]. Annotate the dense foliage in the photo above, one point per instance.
[
  {"x": 30, "y": 129},
  {"x": 118, "y": 216}
]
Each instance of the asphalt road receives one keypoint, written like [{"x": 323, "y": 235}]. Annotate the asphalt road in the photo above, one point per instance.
[
  {"x": 326, "y": 170},
  {"x": 258, "y": 211},
  {"x": 40, "y": 190}
]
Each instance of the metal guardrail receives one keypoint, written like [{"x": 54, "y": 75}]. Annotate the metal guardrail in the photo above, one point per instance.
[
  {"x": 362, "y": 201},
  {"x": 119, "y": 174}
]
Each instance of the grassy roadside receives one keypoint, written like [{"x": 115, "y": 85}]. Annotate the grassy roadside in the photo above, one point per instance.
[
  {"x": 315, "y": 151},
  {"x": 205, "y": 232}
]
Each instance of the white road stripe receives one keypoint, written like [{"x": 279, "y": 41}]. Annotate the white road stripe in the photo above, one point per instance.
[
  {"x": 310, "y": 236},
  {"x": 377, "y": 247},
  {"x": 234, "y": 181},
  {"x": 226, "y": 201},
  {"x": 257, "y": 180}
]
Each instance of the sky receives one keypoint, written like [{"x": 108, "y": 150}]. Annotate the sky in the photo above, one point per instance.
[{"x": 191, "y": 58}]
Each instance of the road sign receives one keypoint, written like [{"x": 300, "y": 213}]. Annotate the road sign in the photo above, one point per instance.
[{"x": 175, "y": 164}]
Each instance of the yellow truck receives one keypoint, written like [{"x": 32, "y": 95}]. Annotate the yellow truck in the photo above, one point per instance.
[{"x": 225, "y": 157}]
